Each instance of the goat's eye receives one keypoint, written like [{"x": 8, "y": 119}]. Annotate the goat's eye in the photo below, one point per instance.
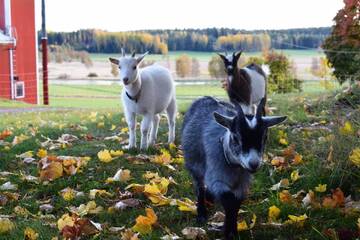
[
  {"x": 119, "y": 67},
  {"x": 134, "y": 67}
]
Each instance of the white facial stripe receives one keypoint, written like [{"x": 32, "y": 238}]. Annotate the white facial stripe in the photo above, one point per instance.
[
  {"x": 230, "y": 78},
  {"x": 252, "y": 124},
  {"x": 253, "y": 156}
]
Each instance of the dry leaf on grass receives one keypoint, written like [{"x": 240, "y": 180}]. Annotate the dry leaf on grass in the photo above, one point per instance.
[{"x": 194, "y": 233}]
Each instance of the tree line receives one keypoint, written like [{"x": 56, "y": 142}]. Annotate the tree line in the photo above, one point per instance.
[{"x": 210, "y": 39}]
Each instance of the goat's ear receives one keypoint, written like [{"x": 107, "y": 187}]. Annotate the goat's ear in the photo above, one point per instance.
[
  {"x": 236, "y": 56},
  {"x": 223, "y": 57},
  {"x": 274, "y": 120},
  {"x": 114, "y": 61},
  {"x": 223, "y": 120},
  {"x": 260, "y": 110},
  {"x": 140, "y": 58}
]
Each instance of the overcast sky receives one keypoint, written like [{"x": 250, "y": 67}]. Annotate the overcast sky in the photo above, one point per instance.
[{"x": 123, "y": 15}]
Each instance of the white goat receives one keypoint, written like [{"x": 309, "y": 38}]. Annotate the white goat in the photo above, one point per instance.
[{"x": 148, "y": 91}]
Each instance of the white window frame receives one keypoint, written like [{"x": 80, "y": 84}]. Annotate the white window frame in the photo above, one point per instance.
[{"x": 23, "y": 87}]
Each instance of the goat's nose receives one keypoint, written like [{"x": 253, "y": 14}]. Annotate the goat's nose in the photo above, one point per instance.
[
  {"x": 254, "y": 165},
  {"x": 125, "y": 79}
]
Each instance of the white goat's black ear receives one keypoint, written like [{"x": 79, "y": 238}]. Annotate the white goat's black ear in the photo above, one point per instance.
[
  {"x": 114, "y": 61},
  {"x": 260, "y": 110},
  {"x": 236, "y": 56},
  {"x": 223, "y": 120},
  {"x": 274, "y": 120},
  {"x": 223, "y": 57},
  {"x": 140, "y": 58}
]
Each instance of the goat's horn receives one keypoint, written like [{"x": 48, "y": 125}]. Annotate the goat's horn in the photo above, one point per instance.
[
  {"x": 133, "y": 54},
  {"x": 122, "y": 52},
  {"x": 261, "y": 108},
  {"x": 238, "y": 108}
]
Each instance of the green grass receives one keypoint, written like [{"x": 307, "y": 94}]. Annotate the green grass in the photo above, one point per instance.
[
  {"x": 206, "y": 56},
  {"x": 308, "y": 142},
  {"x": 99, "y": 96}
]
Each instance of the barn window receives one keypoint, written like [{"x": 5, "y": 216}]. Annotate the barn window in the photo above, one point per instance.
[{"x": 19, "y": 90}]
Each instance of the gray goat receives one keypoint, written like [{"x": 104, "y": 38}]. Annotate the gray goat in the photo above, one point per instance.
[{"x": 222, "y": 147}]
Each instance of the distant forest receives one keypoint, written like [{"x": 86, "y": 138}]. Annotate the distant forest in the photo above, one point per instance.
[{"x": 210, "y": 39}]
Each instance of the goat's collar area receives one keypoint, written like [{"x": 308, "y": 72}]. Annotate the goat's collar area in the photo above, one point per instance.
[
  {"x": 228, "y": 158},
  {"x": 134, "y": 98}
]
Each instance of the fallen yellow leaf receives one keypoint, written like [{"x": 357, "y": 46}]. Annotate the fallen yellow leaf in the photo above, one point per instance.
[
  {"x": 68, "y": 194},
  {"x": 285, "y": 196},
  {"x": 144, "y": 223},
  {"x": 117, "y": 153},
  {"x": 294, "y": 175},
  {"x": 30, "y": 234},
  {"x": 41, "y": 153},
  {"x": 6, "y": 225},
  {"x": 321, "y": 188},
  {"x": 242, "y": 226},
  {"x": 52, "y": 171},
  {"x": 65, "y": 220},
  {"x": 347, "y": 129},
  {"x": 104, "y": 156},
  {"x": 273, "y": 213},
  {"x": 355, "y": 157},
  {"x": 299, "y": 220}
]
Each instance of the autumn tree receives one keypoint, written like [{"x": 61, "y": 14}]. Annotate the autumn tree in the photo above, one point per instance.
[
  {"x": 342, "y": 46},
  {"x": 216, "y": 67},
  {"x": 183, "y": 66},
  {"x": 195, "y": 67},
  {"x": 281, "y": 79}
]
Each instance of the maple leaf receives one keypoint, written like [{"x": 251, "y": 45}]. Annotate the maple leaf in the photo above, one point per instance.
[
  {"x": 242, "y": 226},
  {"x": 144, "y": 223},
  {"x": 51, "y": 171},
  {"x": 285, "y": 196}
]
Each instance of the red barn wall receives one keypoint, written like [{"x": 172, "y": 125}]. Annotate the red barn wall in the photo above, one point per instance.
[
  {"x": 5, "y": 89},
  {"x": 25, "y": 66}
]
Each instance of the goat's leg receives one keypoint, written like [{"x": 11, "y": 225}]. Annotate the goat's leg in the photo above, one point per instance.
[
  {"x": 145, "y": 127},
  {"x": 154, "y": 129},
  {"x": 201, "y": 208},
  {"x": 171, "y": 115},
  {"x": 231, "y": 205},
  {"x": 131, "y": 122}
]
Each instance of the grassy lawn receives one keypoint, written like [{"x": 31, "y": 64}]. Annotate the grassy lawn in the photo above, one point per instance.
[
  {"x": 108, "y": 97},
  {"x": 315, "y": 134},
  {"x": 206, "y": 56}
]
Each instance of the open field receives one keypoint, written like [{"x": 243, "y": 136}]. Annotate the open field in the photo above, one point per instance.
[
  {"x": 108, "y": 97},
  {"x": 101, "y": 66},
  {"x": 311, "y": 148}
]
